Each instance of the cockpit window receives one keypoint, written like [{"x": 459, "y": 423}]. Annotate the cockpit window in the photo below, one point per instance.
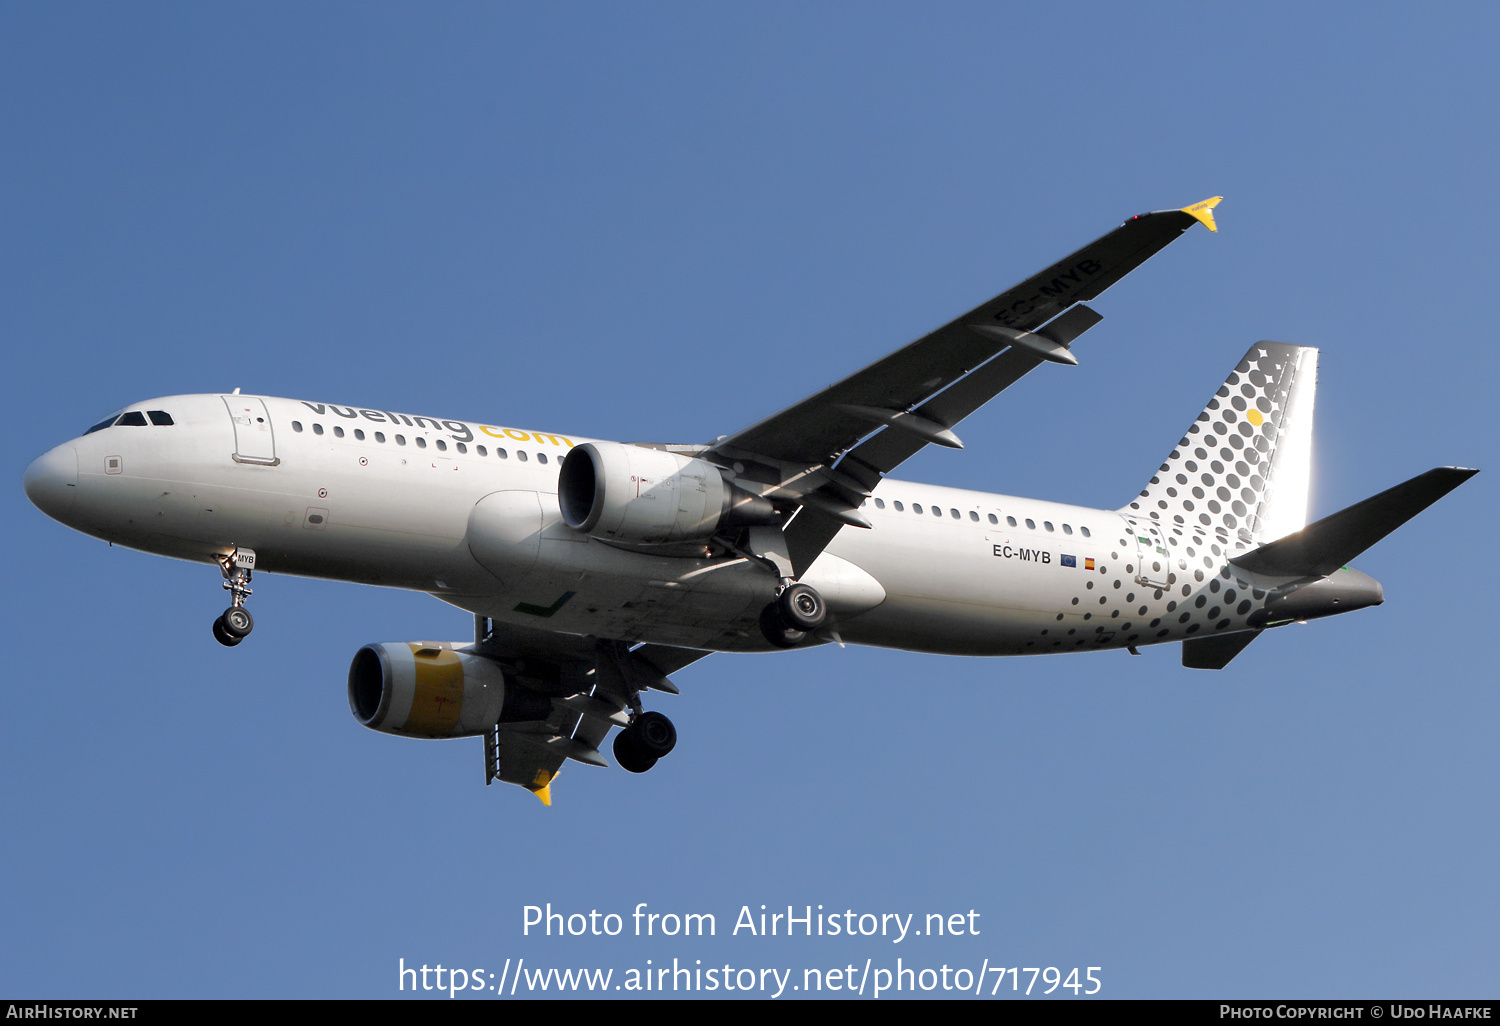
[
  {"x": 106, "y": 422},
  {"x": 161, "y": 418},
  {"x": 135, "y": 418}
]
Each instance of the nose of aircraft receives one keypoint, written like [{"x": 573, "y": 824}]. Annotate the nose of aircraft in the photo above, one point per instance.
[{"x": 51, "y": 482}]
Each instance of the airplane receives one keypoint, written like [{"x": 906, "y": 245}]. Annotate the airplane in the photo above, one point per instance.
[{"x": 595, "y": 570}]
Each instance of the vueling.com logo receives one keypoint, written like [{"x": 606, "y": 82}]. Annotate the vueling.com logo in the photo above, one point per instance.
[{"x": 456, "y": 429}]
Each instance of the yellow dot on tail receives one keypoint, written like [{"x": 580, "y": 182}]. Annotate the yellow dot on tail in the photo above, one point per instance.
[{"x": 1254, "y": 417}]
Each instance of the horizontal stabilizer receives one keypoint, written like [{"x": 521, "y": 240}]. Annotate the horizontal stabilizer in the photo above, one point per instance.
[
  {"x": 1321, "y": 548},
  {"x": 1214, "y": 653}
]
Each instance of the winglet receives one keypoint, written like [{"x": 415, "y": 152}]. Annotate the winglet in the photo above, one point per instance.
[
  {"x": 1204, "y": 211},
  {"x": 542, "y": 786}
]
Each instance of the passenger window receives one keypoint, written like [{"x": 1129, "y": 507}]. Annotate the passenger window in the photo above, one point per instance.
[
  {"x": 502, "y": 453},
  {"x": 1085, "y": 531},
  {"x": 1048, "y": 525},
  {"x": 880, "y": 504},
  {"x": 521, "y": 455},
  {"x": 338, "y": 432},
  {"x": 421, "y": 442},
  {"x": 442, "y": 445},
  {"x": 541, "y": 457},
  {"x": 900, "y": 508},
  {"x": 317, "y": 429},
  {"x": 955, "y": 514},
  {"x": 359, "y": 433},
  {"x": 135, "y": 418},
  {"x": 400, "y": 439},
  {"x": 1067, "y": 528},
  {"x": 161, "y": 418},
  {"x": 973, "y": 516},
  {"x": 1031, "y": 523},
  {"x": 462, "y": 447},
  {"x": 380, "y": 436},
  {"x": 994, "y": 519},
  {"x": 1011, "y": 521},
  {"x": 296, "y": 425},
  {"x": 481, "y": 450},
  {"x": 916, "y": 507}
]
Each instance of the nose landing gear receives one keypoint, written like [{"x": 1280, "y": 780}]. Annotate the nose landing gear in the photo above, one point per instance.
[{"x": 235, "y": 623}]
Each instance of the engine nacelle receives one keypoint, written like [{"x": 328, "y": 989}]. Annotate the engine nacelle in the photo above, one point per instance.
[
  {"x": 418, "y": 690},
  {"x": 639, "y": 496}
]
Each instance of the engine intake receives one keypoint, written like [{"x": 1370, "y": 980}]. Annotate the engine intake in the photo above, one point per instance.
[{"x": 640, "y": 496}]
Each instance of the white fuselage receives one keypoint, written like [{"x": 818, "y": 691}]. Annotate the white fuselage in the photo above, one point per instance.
[{"x": 377, "y": 497}]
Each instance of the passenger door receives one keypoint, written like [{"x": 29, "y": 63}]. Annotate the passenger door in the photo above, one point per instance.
[{"x": 254, "y": 441}]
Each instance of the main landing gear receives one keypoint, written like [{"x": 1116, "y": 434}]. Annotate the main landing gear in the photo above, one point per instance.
[
  {"x": 797, "y": 612},
  {"x": 649, "y": 737},
  {"x": 235, "y": 623}
]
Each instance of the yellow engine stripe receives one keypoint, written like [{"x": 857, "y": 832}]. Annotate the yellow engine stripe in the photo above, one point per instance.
[{"x": 439, "y": 697}]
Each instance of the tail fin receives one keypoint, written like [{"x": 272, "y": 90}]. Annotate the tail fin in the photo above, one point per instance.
[{"x": 1241, "y": 472}]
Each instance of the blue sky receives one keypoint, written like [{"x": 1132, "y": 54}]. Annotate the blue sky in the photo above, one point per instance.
[{"x": 661, "y": 222}]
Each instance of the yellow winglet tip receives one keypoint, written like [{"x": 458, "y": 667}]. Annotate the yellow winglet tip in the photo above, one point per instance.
[
  {"x": 1203, "y": 211},
  {"x": 541, "y": 786}
]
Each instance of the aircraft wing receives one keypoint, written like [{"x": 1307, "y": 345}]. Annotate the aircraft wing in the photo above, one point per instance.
[
  {"x": 516, "y": 758},
  {"x": 576, "y": 690},
  {"x": 811, "y": 452}
]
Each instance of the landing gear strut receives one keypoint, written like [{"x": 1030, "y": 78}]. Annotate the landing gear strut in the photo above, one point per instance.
[
  {"x": 235, "y": 623},
  {"x": 649, "y": 737},
  {"x": 798, "y": 611}
]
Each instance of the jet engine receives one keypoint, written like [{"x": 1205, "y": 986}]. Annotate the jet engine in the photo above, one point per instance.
[
  {"x": 638, "y": 496},
  {"x": 423, "y": 690}
]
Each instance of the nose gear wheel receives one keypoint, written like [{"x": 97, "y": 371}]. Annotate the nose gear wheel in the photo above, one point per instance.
[{"x": 235, "y": 623}]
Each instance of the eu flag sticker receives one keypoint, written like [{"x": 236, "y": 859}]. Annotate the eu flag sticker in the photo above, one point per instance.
[{"x": 1068, "y": 560}]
